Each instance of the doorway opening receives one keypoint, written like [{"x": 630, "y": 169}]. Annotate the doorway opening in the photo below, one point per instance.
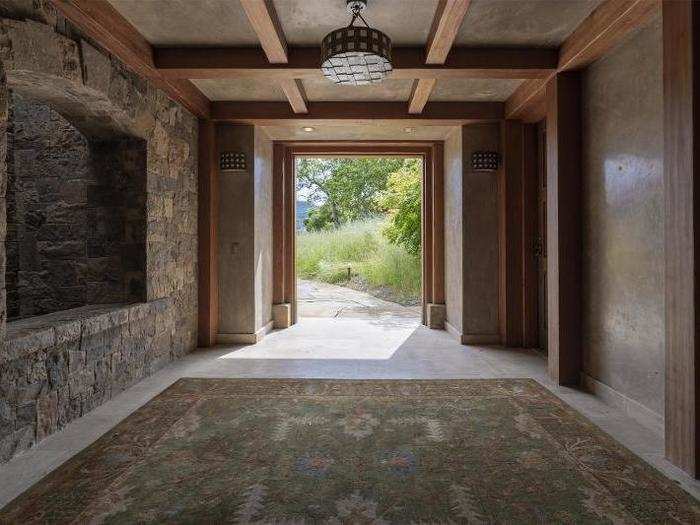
[
  {"x": 358, "y": 218},
  {"x": 358, "y": 236}
]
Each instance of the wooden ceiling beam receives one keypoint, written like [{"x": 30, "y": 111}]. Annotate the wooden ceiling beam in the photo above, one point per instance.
[
  {"x": 305, "y": 62},
  {"x": 294, "y": 90},
  {"x": 420, "y": 94},
  {"x": 446, "y": 23},
  {"x": 358, "y": 111},
  {"x": 603, "y": 29},
  {"x": 102, "y": 23},
  {"x": 263, "y": 19},
  {"x": 600, "y": 32}
]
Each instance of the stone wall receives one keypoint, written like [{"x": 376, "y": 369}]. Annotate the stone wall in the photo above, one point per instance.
[
  {"x": 76, "y": 215},
  {"x": 54, "y": 368}
]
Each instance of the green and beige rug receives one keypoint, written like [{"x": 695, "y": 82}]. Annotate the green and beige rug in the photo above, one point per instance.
[{"x": 359, "y": 452}]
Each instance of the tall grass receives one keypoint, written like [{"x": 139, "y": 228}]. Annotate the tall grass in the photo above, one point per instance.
[{"x": 359, "y": 249}]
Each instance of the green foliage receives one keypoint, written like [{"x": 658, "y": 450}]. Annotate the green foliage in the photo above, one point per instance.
[
  {"x": 402, "y": 199},
  {"x": 343, "y": 190},
  {"x": 361, "y": 246}
]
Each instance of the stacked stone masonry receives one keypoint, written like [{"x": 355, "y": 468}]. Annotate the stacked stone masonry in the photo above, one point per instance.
[{"x": 56, "y": 367}]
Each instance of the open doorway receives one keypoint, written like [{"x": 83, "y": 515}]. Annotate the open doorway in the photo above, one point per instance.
[
  {"x": 427, "y": 158},
  {"x": 358, "y": 236}
]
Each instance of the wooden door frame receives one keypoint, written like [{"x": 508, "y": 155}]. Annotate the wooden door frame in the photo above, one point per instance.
[{"x": 284, "y": 220}]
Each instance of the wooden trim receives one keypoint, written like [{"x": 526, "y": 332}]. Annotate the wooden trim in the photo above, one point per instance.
[
  {"x": 290, "y": 277},
  {"x": 103, "y": 23},
  {"x": 420, "y": 93},
  {"x": 530, "y": 219},
  {"x": 207, "y": 226},
  {"x": 681, "y": 53},
  {"x": 278, "y": 228},
  {"x": 250, "y": 112},
  {"x": 564, "y": 228},
  {"x": 294, "y": 91},
  {"x": 283, "y": 202},
  {"x": 426, "y": 237},
  {"x": 263, "y": 18},
  {"x": 437, "y": 159},
  {"x": 528, "y": 102},
  {"x": 305, "y": 62},
  {"x": 603, "y": 29},
  {"x": 600, "y": 32},
  {"x": 448, "y": 18},
  {"x": 510, "y": 233}
]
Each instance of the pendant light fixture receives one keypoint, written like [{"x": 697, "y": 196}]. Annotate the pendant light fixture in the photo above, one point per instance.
[{"x": 356, "y": 55}]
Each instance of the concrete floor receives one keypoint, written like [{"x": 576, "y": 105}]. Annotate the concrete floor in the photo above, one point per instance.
[{"x": 350, "y": 336}]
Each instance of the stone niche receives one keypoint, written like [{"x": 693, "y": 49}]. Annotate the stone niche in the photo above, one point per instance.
[
  {"x": 76, "y": 215},
  {"x": 102, "y": 202}
]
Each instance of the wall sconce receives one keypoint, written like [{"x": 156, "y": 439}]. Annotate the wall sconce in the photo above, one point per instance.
[
  {"x": 232, "y": 161},
  {"x": 485, "y": 161}
]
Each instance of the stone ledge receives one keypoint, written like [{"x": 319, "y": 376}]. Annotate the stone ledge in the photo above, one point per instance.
[{"x": 34, "y": 334}]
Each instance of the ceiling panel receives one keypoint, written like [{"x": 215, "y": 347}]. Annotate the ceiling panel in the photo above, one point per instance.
[
  {"x": 473, "y": 89},
  {"x": 189, "y": 22},
  {"x": 387, "y": 90},
  {"x": 306, "y": 22},
  {"x": 240, "y": 89},
  {"x": 541, "y": 23}
]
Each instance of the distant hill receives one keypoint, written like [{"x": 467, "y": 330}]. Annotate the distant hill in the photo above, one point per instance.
[{"x": 303, "y": 209}]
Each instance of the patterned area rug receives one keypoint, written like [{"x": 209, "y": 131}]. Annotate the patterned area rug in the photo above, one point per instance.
[{"x": 326, "y": 451}]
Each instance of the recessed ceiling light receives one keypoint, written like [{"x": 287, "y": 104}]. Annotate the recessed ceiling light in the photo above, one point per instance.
[
  {"x": 308, "y": 129},
  {"x": 409, "y": 130}
]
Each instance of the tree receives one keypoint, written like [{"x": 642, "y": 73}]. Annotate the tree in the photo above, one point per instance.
[
  {"x": 343, "y": 190},
  {"x": 402, "y": 199}
]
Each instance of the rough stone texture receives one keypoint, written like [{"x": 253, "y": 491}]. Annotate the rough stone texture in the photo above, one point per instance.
[
  {"x": 54, "y": 368},
  {"x": 76, "y": 215},
  {"x": 623, "y": 227}
]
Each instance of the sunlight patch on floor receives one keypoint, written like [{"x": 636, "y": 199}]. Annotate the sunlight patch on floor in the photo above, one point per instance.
[{"x": 375, "y": 338}]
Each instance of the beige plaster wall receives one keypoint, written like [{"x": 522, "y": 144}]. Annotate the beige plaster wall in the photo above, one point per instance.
[
  {"x": 236, "y": 235},
  {"x": 623, "y": 228},
  {"x": 262, "y": 203},
  {"x": 453, "y": 229},
  {"x": 480, "y": 237}
]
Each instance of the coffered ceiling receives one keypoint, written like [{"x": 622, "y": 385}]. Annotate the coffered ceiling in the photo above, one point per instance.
[
  {"x": 455, "y": 61},
  {"x": 493, "y": 23}
]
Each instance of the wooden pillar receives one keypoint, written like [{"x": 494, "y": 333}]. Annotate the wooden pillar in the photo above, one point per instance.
[
  {"x": 278, "y": 220},
  {"x": 290, "y": 277},
  {"x": 681, "y": 30},
  {"x": 530, "y": 220},
  {"x": 208, "y": 216},
  {"x": 438, "y": 224},
  {"x": 511, "y": 235},
  {"x": 427, "y": 235},
  {"x": 563, "y": 94}
]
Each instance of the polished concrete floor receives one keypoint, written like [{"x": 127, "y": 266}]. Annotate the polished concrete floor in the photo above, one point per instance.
[{"x": 342, "y": 334}]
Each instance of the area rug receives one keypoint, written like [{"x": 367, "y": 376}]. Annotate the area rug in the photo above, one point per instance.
[{"x": 327, "y": 451}]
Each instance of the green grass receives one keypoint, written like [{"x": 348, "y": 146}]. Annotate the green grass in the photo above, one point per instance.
[{"x": 360, "y": 246}]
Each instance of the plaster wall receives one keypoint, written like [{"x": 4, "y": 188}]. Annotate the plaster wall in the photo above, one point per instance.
[
  {"x": 480, "y": 238},
  {"x": 453, "y": 229},
  {"x": 623, "y": 228},
  {"x": 262, "y": 203},
  {"x": 236, "y": 234}
]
